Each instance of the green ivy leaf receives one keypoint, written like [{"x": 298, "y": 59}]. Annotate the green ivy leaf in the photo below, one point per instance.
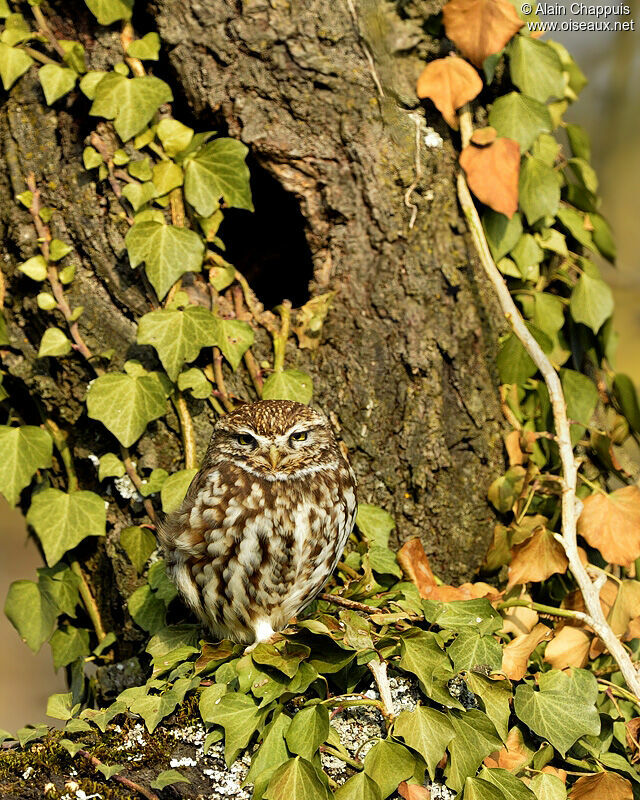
[
  {"x": 359, "y": 787},
  {"x": 146, "y": 49},
  {"x": 109, "y": 770},
  {"x": 62, "y": 585},
  {"x": 515, "y": 365},
  {"x": 478, "y": 789},
  {"x": 535, "y": 68},
  {"x": 559, "y": 714},
  {"x": 54, "y": 343},
  {"x": 472, "y": 649},
  {"x": 138, "y": 194},
  {"x": 32, "y": 612},
  {"x": 34, "y": 268},
  {"x": 178, "y": 336},
  {"x": 159, "y": 581},
  {"x": 69, "y": 644},
  {"x": 13, "y": 64},
  {"x": 174, "y": 136},
  {"x": 74, "y": 55},
  {"x": 375, "y": 524},
  {"x": 298, "y": 779},
  {"x": 512, "y": 788},
  {"x": 138, "y": 544},
  {"x": 154, "y": 482},
  {"x": 175, "y": 488},
  {"x": 308, "y": 730},
  {"x": 502, "y": 233},
  {"x": 270, "y": 755},
  {"x": 23, "y": 450},
  {"x": 546, "y": 148},
  {"x": 603, "y": 237},
  {"x": 56, "y": 81},
  {"x": 388, "y": 764},
  {"x": 89, "y": 82},
  {"x": 58, "y": 250},
  {"x": 195, "y": 381},
  {"x": 496, "y": 695},
  {"x": 73, "y": 747},
  {"x": 167, "y": 778},
  {"x": 147, "y": 610},
  {"x": 240, "y": 718},
  {"x": 548, "y": 787},
  {"x": 539, "y": 190},
  {"x": 130, "y": 102},
  {"x": 59, "y": 706},
  {"x": 581, "y": 396},
  {"x": 126, "y": 404},
  {"x": 574, "y": 222},
  {"x": 290, "y": 384},
  {"x": 519, "y": 117},
  {"x": 579, "y": 141},
  {"x": 427, "y": 731},
  {"x": 167, "y": 176},
  {"x": 141, "y": 169},
  {"x": 235, "y": 337},
  {"x": 218, "y": 171},
  {"x": 528, "y": 254},
  {"x": 625, "y": 393},
  {"x": 108, "y": 11},
  {"x": 475, "y": 737},
  {"x": 422, "y": 655},
  {"x": 168, "y": 252},
  {"x": 110, "y": 466},
  {"x": 591, "y": 302},
  {"x": 16, "y": 29},
  {"x": 63, "y": 520}
]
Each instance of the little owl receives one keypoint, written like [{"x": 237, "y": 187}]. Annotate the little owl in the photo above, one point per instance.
[{"x": 264, "y": 521}]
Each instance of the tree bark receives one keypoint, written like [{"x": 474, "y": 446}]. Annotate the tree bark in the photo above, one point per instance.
[{"x": 322, "y": 92}]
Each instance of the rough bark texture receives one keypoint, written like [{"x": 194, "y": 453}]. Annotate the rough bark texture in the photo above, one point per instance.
[{"x": 321, "y": 91}]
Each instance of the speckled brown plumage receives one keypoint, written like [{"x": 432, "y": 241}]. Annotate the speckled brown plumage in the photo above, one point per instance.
[{"x": 264, "y": 521}]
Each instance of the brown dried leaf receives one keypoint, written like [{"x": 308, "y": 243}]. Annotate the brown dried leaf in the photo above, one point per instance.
[
  {"x": 515, "y": 655},
  {"x": 513, "y": 755},
  {"x": 536, "y": 559},
  {"x": 633, "y": 631},
  {"x": 484, "y": 136},
  {"x": 568, "y": 648},
  {"x": 611, "y": 523},
  {"x": 480, "y": 28},
  {"x": 466, "y": 591},
  {"x": 602, "y": 786},
  {"x": 411, "y": 791},
  {"x": 450, "y": 83},
  {"x": 492, "y": 173},
  {"x": 519, "y": 620},
  {"x": 561, "y": 774},
  {"x": 512, "y": 446},
  {"x": 632, "y": 731},
  {"x": 415, "y": 565},
  {"x": 309, "y": 319}
]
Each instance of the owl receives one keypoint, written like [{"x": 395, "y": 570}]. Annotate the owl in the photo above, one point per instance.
[{"x": 264, "y": 522}]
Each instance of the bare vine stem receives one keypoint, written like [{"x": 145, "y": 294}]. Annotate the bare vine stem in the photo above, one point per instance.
[
  {"x": 571, "y": 505},
  {"x": 188, "y": 433},
  {"x": 135, "y": 787},
  {"x": 136, "y": 480}
]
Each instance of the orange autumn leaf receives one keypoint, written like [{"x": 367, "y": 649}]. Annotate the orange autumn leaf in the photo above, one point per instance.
[
  {"x": 632, "y": 732},
  {"x": 450, "y": 83},
  {"x": 633, "y": 631},
  {"x": 412, "y": 791},
  {"x": 466, "y": 591},
  {"x": 515, "y": 655},
  {"x": 512, "y": 446},
  {"x": 518, "y": 620},
  {"x": 480, "y": 28},
  {"x": 484, "y": 136},
  {"x": 558, "y": 773},
  {"x": 602, "y": 786},
  {"x": 568, "y": 648},
  {"x": 621, "y": 611},
  {"x": 415, "y": 565},
  {"x": 513, "y": 755},
  {"x": 611, "y": 523},
  {"x": 492, "y": 173},
  {"x": 536, "y": 559}
]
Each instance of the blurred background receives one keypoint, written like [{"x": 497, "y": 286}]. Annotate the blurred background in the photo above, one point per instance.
[{"x": 609, "y": 108}]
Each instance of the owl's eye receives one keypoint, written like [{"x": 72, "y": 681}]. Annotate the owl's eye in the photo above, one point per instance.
[
  {"x": 245, "y": 439},
  {"x": 300, "y": 436}
]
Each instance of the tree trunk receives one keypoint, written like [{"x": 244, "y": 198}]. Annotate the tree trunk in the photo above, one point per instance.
[{"x": 322, "y": 92}]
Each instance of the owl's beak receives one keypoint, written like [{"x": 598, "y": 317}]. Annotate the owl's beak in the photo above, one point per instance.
[{"x": 274, "y": 456}]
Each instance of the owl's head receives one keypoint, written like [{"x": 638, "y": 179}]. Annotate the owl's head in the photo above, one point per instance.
[{"x": 275, "y": 439}]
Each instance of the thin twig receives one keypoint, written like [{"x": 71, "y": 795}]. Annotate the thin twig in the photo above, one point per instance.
[
  {"x": 127, "y": 35},
  {"x": 37, "y": 55},
  {"x": 249, "y": 359},
  {"x": 378, "y": 669},
  {"x": 219, "y": 379},
  {"x": 352, "y": 605},
  {"x": 352, "y": 762},
  {"x": 46, "y": 31},
  {"x": 89, "y": 601},
  {"x": 280, "y": 338},
  {"x": 418, "y": 172},
  {"x": 135, "y": 787},
  {"x": 188, "y": 434},
  {"x": 136, "y": 480},
  {"x": 571, "y": 505}
]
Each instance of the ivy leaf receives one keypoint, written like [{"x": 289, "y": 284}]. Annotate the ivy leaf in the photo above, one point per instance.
[
  {"x": 308, "y": 730},
  {"x": 359, "y": 787},
  {"x": 461, "y": 615},
  {"x": 426, "y": 730},
  {"x": 603, "y": 238},
  {"x": 539, "y": 189},
  {"x": 591, "y": 302},
  {"x": 54, "y": 343},
  {"x": 548, "y": 787},
  {"x": 537, "y": 558},
  {"x": 558, "y": 714},
  {"x": 63, "y": 520},
  {"x": 478, "y": 789},
  {"x": 195, "y": 381},
  {"x": 602, "y": 786},
  {"x": 528, "y": 254},
  {"x": 502, "y": 233},
  {"x": 581, "y": 396},
  {"x": 13, "y": 63},
  {"x": 234, "y": 338},
  {"x": 69, "y": 644},
  {"x": 178, "y": 336},
  {"x": 625, "y": 393},
  {"x": 475, "y": 737},
  {"x": 270, "y": 755},
  {"x": 147, "y": 610},
  {"x": 472, "y": 649},
  {"x": 375, "y": 524},
  {"x": 240, "y": 718},
  {"x": 126, "y": 404},
  {"x": 492, "y": 173},
  {"x": 23, "y": 450},
  {"x": 536, "y": 69},
  {"x": 574, "y": 222},
  {"x": 62, "y": 585},
  {"x": 168, "y": 776},
  {"x": 146, "y": 49},
  {"x": 512, "y": 788},
  {"x": 138, "y": 194},
  {"x": 34, "y": 268},
  {"x": 56, "y": 81},
  {"x": 217, "y": 171},
  {"x": 175, "y": 488},
  {"x": 110, "y": 466},
  {"x": 611, "y": 523},
  {"x": 480, "y": 28},
  {"x": 153, "y": 708},
  {"x": 388, "y": 764},
  {"x": 174, "y": 136},
  {"x": 108, "y": 11},
  {"x": 130, "y": 102},
  {"x": 32, "y": 612},
  {"x": 422, "y": 655},
  {"x": 167, "y": 176},
  {"x": 298, "y": 779},
  {"x": 496, "y": 696},
  {"x": 109, "y": 770},
  {"x": 168, "y": 252},
  {"x": 450, "y": 83},
  {"x": 290, "y": 384},
  {"x": 521, "y": 118},
  {"x": 138, "y": 544},
  {"x": 60, "y": 705}
]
